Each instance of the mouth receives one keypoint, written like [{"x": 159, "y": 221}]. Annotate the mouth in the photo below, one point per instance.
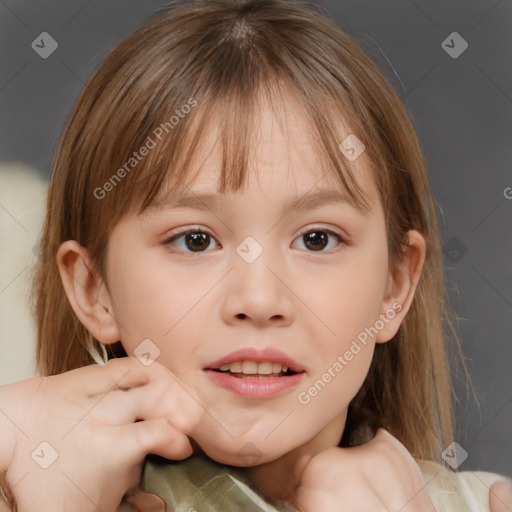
[
  {"x": 268, "y": 362},
  {"x": 265, "y": 369},
  {"x": 255, "y": 373}
]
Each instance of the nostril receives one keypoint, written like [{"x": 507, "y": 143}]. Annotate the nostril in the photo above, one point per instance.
[{"x": 241, "y": 315}]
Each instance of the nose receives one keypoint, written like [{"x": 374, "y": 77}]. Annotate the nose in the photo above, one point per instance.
[{"x": 259, "y": 293}]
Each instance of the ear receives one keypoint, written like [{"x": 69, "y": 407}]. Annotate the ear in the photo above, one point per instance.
[
  {"x": 401, "y": 285},
  {"x": 86, "y": 292}
]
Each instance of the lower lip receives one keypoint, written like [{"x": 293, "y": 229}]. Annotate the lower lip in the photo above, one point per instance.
[{"x": 254, "y": 387}]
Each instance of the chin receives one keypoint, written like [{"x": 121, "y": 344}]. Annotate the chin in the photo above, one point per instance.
[{"x": 240, "y": 453}]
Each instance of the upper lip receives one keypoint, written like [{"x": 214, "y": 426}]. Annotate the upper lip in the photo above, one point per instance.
[{"x": 258, "y": 355}]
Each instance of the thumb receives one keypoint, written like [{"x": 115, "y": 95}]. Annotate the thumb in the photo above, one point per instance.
[
  {"x": 144, "y": 502},
  {"x": 155, "y": 436}
]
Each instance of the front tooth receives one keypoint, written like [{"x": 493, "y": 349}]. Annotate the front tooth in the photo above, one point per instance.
[
  {"x": 276, "y": 367},
  {"x": 249, "y": 367},
  {"x": 265, "y": 368},
  {"x": 235, "y": 367}
]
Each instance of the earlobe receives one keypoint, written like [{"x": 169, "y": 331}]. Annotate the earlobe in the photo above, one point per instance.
[
  {"x": 86, "y": 292},
  {"x": 401, "y": 286}
]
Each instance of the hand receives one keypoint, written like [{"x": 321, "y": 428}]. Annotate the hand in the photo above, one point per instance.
[
  {"x": 380, "y": 475},
  {"x": 88, "y": 417},
  {"x": 500, "y": 496}
]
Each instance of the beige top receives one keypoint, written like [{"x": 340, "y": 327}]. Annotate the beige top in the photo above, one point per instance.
[
  {"x": 463, "y": 491},
  {"x": 199, "y": 484}
]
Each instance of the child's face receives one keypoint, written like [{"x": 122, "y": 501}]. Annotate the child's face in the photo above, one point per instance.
[{"x": 310, "y": 305}]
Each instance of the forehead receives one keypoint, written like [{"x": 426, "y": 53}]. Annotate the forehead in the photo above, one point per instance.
[{"x": 283, "y": 157}]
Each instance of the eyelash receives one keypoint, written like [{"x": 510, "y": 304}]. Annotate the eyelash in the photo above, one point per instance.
[{"x": 176, "y": 236}]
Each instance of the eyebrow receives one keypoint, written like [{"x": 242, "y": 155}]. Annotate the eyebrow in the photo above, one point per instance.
[{"x": 306, "y": 202}]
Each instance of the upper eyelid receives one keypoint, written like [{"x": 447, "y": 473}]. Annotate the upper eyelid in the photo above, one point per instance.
[
  {"x": 307, "y": 229},
  {"x": 303, "y": 230},
  {"x": 186, "y": 231}
]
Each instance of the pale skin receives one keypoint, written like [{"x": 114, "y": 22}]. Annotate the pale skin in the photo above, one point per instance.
[{"x": 197, "y": 307}]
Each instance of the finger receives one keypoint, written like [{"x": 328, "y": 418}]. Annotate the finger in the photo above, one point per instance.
[
  {"x": 381, "y": 435},
  {"x": 411, "y": 493},
  {"x": 173, "y": 399},
  {"x": 500, "y": 496},
  {"x": 145, "y": 502},
  {"x": 163, "y": 396},
  {"x": 390, "y": 445},
  {"x": 356, "y": 496},
  {"x": 122, "y": 373},
  {"x": 156, "y": 436}
]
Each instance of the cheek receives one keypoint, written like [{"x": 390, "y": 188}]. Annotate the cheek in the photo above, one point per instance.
[
  {"x": 160, "y": 306},
  {"x": 347, "y": 299},
  {"x": 139, "y": 298}
]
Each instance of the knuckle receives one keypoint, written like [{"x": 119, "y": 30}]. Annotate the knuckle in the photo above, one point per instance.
[
  {"x": 118, "y": 363},
  {"x": 186, "y": 420},
  {"x": 143, "y": 438},
  {"x": 387, "y": 445},
  {"x": 113, "y": 362},
  {"x": 185, "y": 410}
]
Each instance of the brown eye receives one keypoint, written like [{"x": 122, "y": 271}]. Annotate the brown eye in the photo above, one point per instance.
[
  {"x": 317, "y": 240},
  {"x": 194, "y": 241},
  {"x": 197, "y": 241}
]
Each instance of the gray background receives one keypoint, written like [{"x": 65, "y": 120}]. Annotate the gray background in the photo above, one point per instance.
[{"x": 461, "y": 108}]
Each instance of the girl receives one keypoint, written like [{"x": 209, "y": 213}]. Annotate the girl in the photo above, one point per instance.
[{"x": 240, "y": 222}]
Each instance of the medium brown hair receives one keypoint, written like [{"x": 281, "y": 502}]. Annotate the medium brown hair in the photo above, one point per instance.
[{"x": 222, "y": 54}]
